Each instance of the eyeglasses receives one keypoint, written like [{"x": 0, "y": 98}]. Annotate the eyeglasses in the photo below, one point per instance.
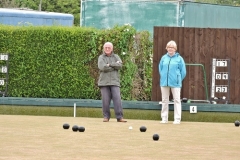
[{"x": 171, "y": 47}]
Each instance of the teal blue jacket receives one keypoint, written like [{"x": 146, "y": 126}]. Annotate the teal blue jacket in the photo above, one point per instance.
[{"x": 172, "y": 70}]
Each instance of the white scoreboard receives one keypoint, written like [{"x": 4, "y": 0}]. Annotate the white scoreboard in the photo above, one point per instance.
[
  {"x": 3, "y": 73},
  {"x": 220, "y": 79}
]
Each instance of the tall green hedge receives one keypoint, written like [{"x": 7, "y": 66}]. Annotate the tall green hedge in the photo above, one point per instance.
[{"x": 61, "y": 62}]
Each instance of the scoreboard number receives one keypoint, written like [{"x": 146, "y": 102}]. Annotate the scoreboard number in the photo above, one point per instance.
[
  {"x": 4, "y": 69},
  {"x": 1, "y": 82},
  {"x": 221, "y": 89},
  {"x": 223, "y": 76},
  {"x": 218, "y": 76},
  {"x": 221, "y": 63},
  {"x": 4, "y": 57}
]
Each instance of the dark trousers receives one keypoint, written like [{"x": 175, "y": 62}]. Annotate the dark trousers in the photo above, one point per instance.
[{"x": 111, "y": 93}]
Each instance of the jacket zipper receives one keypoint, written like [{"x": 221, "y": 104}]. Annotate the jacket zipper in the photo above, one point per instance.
[{"x": 168, "y": 70}]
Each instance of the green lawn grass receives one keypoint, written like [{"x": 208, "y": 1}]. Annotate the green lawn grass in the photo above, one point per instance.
[
  {"x": 27, "y": 137},
  {"x": 128, "y": 113}
]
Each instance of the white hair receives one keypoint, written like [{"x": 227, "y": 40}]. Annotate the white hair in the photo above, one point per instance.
[
  {"x": 172, "y": 43},
  {"x": 108, "y": 43}
]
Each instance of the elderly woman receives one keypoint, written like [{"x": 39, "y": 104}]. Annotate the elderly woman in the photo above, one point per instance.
[{"x": 172, "y": 70}]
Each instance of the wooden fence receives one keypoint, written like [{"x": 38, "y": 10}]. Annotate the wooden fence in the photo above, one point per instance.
[{"x": 200, "y": 46}]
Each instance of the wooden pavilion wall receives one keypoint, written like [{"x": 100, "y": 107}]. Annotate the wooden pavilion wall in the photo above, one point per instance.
[{"x": 199, "y": 46}]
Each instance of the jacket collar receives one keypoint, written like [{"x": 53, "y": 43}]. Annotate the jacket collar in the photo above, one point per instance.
[
  {"x": 107, "y": 55},
  {"x": 175, "y": 55}
]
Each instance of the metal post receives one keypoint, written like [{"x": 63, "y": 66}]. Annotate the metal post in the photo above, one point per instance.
[
  {"x": 74, "y": 110},
  {"x": 205, "y": 81},
  {"x": 40, "y": 6}
]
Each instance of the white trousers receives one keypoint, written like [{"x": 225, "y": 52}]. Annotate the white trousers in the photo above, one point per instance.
[{"x": 177, "y": 103}]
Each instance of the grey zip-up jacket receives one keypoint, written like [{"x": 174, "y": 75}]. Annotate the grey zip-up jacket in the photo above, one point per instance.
[{"x": 109, "y": 75}]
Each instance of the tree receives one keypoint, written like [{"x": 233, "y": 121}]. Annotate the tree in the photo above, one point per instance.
[
  {"x": 8, "y": 4},
  {"x": 221, "y": 2},
  {"x": 229, "y": 2},
  {"x": 31, "y": 4}
]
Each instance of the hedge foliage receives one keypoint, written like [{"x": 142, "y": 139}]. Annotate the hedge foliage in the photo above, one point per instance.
[{"x": 61, "y": 62}]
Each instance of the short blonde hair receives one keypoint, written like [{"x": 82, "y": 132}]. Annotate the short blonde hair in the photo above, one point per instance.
[{"x": 172, "y": 43}]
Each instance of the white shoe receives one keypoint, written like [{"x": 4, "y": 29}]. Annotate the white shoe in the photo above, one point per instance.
[
  {"x": 176, "y": 122},
  {"x": 163, "y": 121}
]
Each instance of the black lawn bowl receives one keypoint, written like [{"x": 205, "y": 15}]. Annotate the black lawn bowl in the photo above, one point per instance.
[
  {"x": 143, "y": 129},
  {"x": 237, "y": 123},
  {"x": 81, "y": 129},
  {"x": 184, "y": 100},
  {"x": 155, "y": 137},
  {"x": 75, "y": 128},
  {"x": 66, "y": 126}
]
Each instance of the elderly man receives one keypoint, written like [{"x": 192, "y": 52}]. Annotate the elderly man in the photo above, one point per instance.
[{"x": 109, "y": 65}]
